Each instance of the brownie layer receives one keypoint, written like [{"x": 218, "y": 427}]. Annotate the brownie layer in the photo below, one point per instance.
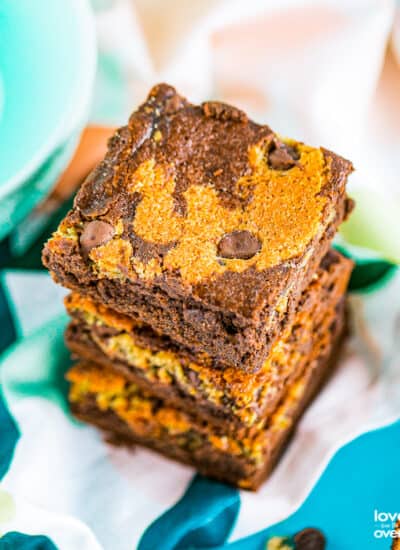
[
  {"x": 201, "y": 222},
  {"x": 130, "y": 417},
  {"x": 229, "y": 397}
]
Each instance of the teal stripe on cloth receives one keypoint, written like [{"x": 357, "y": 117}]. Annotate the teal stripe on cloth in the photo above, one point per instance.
[
  {"x": 361, "y": 478},
  {"x": 19, "y": 541},
  {"x": 8, "y": 437},
  {"x": 5, "y": 255},
  {"x": 7, "y": 329},
  {"x": 203, "y": 518},
  {"x": 8, "y": 429}
]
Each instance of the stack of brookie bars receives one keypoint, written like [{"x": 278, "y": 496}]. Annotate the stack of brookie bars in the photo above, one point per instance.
[{"x": 207, "y": 303}]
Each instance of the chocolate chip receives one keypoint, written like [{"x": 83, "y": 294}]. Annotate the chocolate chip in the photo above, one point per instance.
[
  {"x": 95, "y": 234},
  {"x": 309, "y": 539},
  {"x": 223, "y": 112},
  {"x": 95, "y": 195},
  {"x": 282, "y": 157},
  {"x": 119, "y": 141},
  {"x": 238, "y": 244},
  {"x": 193, "y": 377},
  {"x": 174, "y": 104},
  {"x": 141, "y": 128}
]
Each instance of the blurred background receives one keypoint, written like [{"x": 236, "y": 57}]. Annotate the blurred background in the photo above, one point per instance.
[{"x": 322, "y": 71}]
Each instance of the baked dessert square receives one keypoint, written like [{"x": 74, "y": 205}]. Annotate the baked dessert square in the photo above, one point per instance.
[
  {"x": 202, "y": 224},
  {"x": 229, "y": 397},
  {"x": 130, "y": 416}
]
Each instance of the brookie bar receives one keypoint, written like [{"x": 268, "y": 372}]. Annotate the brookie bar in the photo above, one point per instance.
[{"x": 204, "y": 225}]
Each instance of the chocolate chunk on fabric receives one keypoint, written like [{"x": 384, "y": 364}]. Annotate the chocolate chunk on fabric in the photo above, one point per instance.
[{"x": 310, "y": 539}]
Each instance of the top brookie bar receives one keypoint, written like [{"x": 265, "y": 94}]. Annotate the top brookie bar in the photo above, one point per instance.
[{"x": 202, "y": 224}]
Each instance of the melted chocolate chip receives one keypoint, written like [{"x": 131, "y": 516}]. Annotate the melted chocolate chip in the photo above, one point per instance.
[
  {"x": 174, "y": 104},
  {"x": 241, "y": 245},
  {"x": 141, "y": 126},
  {"x": 118, "y": 142},
  {"x": 223, "y": 112},
  {"x": 95, "y": 234},
  {"x": 282, "y": 157},
  {"x": 194, "y": 377},
  {"x": 309, "y": 539},
  {"x": 95, "y": 196}
]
